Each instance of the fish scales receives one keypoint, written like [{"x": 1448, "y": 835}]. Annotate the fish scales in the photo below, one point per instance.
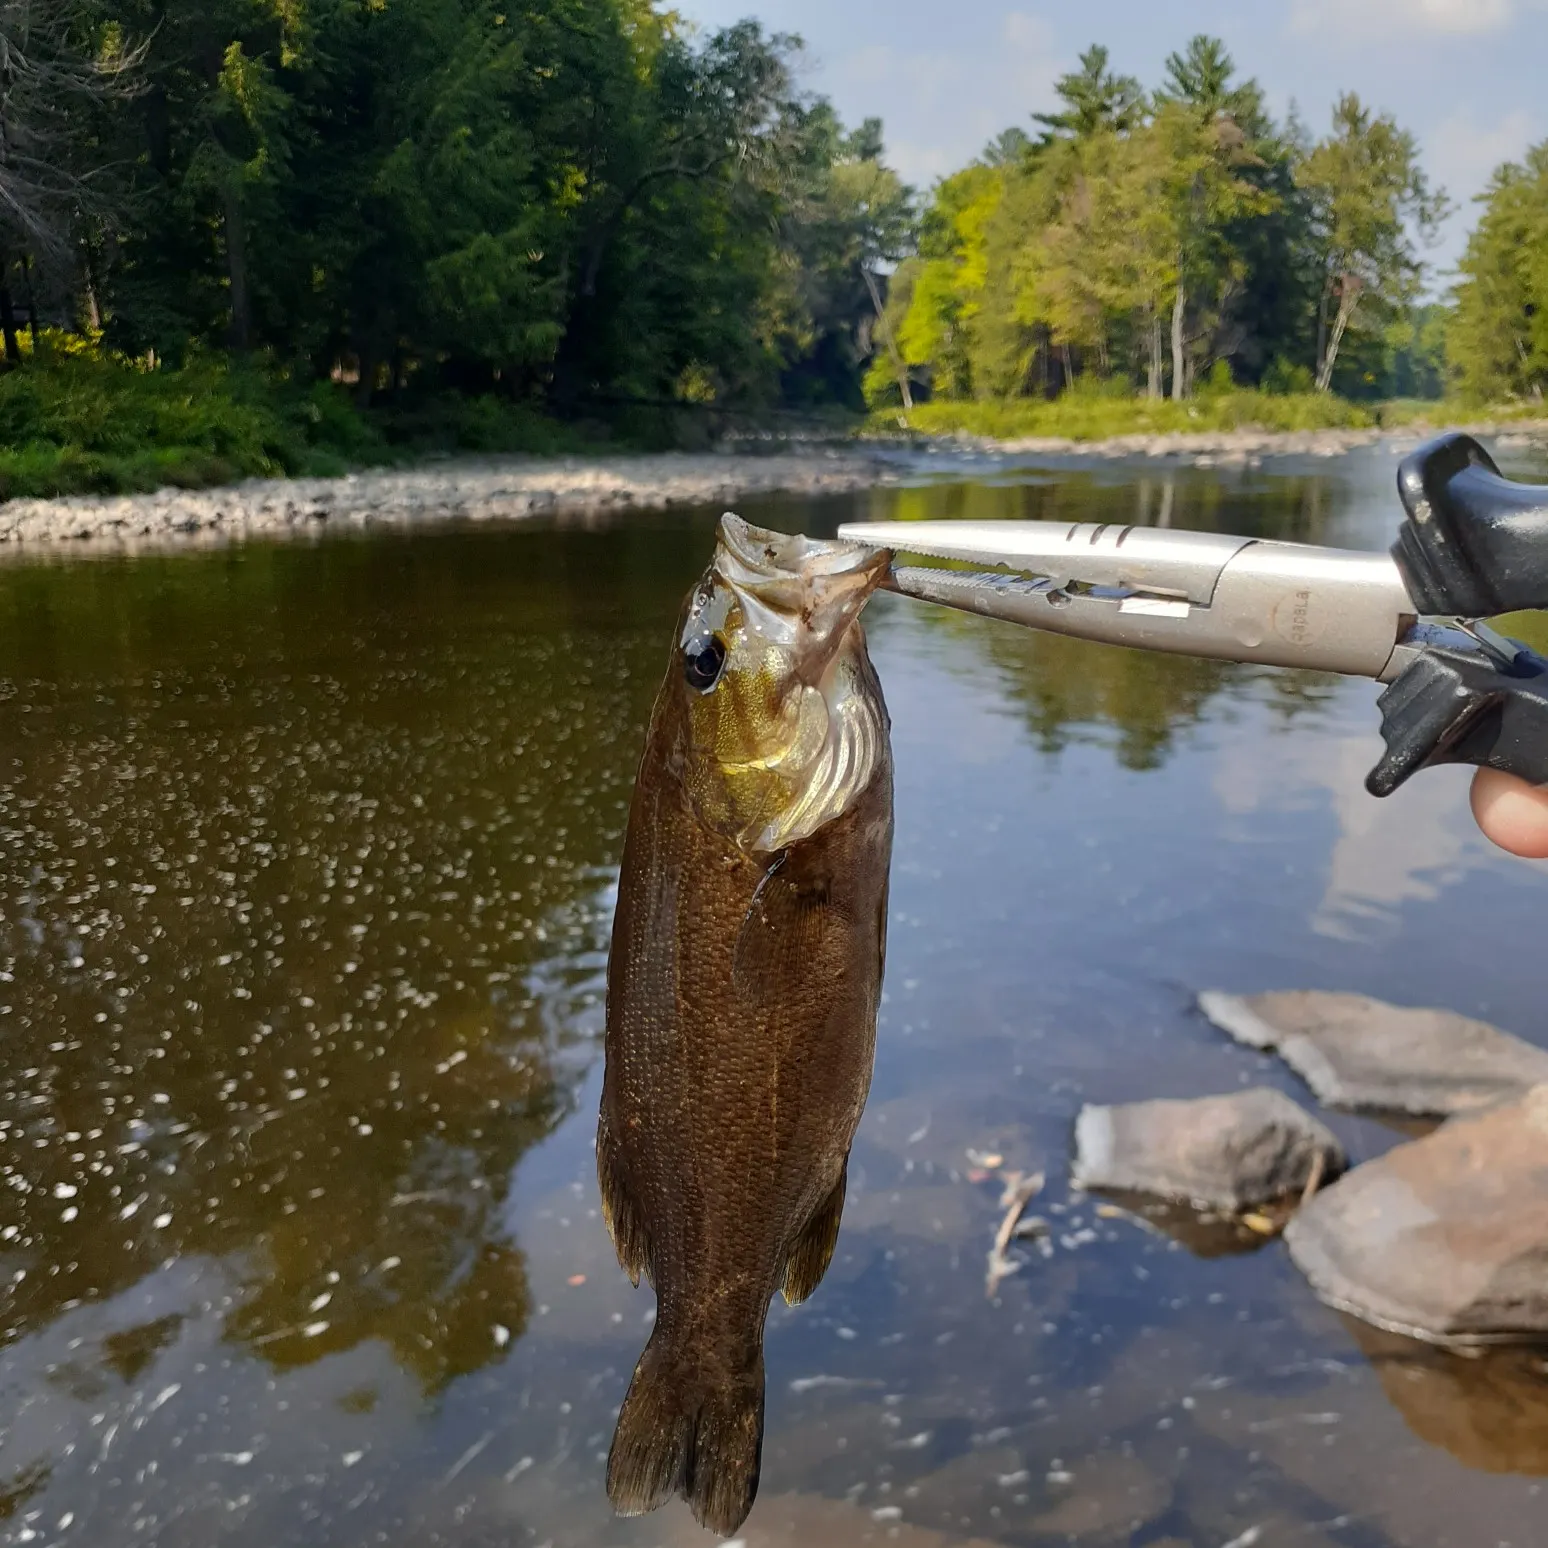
[{"x": 743, "y": 987}]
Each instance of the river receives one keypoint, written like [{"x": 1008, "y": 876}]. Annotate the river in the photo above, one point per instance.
[{"x": 308, "y": 862}]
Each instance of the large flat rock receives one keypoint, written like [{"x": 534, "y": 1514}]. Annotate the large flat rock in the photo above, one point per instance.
[
  {"x": 1359, "y": 1053},
  {"x": 1444, "y": 1239},
  {"x": 1222, "y": 1152}
]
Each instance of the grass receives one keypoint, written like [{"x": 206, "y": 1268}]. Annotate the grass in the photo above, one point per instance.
[
  {"x": 84, "y": 424},
  {"x": 1096, "y": 415},
  {"x": 88, "y": 423},
  {"x": 1087, "y": 415}
]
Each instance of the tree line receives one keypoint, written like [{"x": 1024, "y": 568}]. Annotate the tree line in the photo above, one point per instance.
[
  {"x": 1159, "y": 239},
  {"x": 563, "y": 200},
  {"x": 577, "y": 202}
]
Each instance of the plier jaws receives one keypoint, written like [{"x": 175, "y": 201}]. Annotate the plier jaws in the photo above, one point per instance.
[
  {"x": 1474, "y": 546},
  {"x": 1186, "y": 593}
]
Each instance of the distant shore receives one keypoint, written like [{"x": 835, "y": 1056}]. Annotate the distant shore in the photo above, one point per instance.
[
  {"x": 481, "y": 490},
  {"x": 513, "y": 488},
  {"x": 1206, "y": 448}
]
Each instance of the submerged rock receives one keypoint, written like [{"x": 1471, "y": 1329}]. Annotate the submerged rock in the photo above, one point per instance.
[
  {"x": 1225, "y": 1152},
  {"x": 1444, "y": 1239},
  {"x": 1356, "y": 1052}
]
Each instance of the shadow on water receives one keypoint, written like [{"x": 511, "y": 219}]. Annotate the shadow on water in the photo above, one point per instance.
[{"x": 308, "y": 867}]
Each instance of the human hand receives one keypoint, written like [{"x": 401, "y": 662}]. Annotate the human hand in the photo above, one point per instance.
[{"x": 1512, "y": 813}]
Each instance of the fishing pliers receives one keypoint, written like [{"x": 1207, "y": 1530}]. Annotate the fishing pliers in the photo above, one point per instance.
[{"x": 1474, "y": 546}]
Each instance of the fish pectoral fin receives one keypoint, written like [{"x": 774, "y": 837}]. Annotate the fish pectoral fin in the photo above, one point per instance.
[
  {"x": 813, "y": 1250},
  {"x": 630, "y": 1239},
  {"x": 793, "y": 930}
]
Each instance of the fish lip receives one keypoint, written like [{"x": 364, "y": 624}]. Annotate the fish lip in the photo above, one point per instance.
[
  {"x": 805, "y": 592},
  {"x": 765, "y": 556}
]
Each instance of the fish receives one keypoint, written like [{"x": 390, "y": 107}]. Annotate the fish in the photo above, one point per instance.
[{"x": 743, "y": 984}]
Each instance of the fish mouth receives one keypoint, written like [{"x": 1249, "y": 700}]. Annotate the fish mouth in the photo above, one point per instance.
[{"x": 799, "y": 592}]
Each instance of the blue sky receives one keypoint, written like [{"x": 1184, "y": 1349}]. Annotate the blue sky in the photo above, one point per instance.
[{"x": 946, "y": 75}]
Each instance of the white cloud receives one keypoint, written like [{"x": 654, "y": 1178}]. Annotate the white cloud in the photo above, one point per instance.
[
  {"x": 1386, "y": 854},
  {"x": 943, "y": 105},
  {"x": 1462, "y": 153},
  {"x": 1384, "y": 17}
]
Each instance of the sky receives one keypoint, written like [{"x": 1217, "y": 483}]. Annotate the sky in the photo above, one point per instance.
[{"x": 947, "y": 75}]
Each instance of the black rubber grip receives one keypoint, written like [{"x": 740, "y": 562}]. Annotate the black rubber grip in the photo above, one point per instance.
[
  {"x": 1475, "y": 545},
  {"x": 1461, "y": 706}
]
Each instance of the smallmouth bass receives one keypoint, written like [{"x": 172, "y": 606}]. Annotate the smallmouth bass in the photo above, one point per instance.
[{"x": 743, "y": 986}]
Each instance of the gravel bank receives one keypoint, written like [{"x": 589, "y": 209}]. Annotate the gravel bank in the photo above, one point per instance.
[
  {"x": 506, "y": 489},
  {"x": 493, "y": 490},
  {"x": 1225, "y": 448}
]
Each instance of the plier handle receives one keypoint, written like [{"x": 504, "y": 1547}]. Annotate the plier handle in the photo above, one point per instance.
[{"x": 1474, "y": 546}]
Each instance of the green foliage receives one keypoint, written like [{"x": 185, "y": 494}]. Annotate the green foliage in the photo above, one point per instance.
[
  {"x": 1171, "y": 240},
  {"x": 496, "y": 225},
  {"x": 1367, "y": 192},
  {"x": 1103, "y": 411},
  {"x": 572, "y": 206},
  {"x": 1498, "y": 340},
  {"x": 1095, "y": 101},
  {"x": 95, "y": 425},
  {"x": 88, "y": 425}
]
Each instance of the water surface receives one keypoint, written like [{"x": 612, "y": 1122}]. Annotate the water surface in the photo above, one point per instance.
[{"x": 308, "y": 866}]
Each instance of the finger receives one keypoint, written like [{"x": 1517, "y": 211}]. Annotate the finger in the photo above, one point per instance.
[{"x": 1512, "y": 813}]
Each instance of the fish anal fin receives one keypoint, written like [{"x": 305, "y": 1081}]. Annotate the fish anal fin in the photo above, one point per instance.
[
  {"x": 813, "y": 1250},
  {"x": 631, "y": 1241},
  {"x": 792, "y": 927}
]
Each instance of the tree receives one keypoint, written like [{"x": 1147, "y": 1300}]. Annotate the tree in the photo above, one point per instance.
[
  {"x": 61, "y": 71},
  {"x": 1498, "y": 338},
  {"x": 1202, "y": 77},
  {"x": 1367, "y": 188},
  {"x": 1203, "y": 194},
  {"x": 1254, "y": 266},
  {"x": 946, "y": 279},
  {"x": 1007, "y": 149},
  {"x": 1094, "y": 100},
  {"x": 845, "y": 218},
  {"x": 702, "y": 119}
]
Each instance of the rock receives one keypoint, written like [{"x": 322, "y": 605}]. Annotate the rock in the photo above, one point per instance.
[
  {"x": 1356, "y": 1052},
  {"x": 1108, "y": 1499},
  {"x": 1227, "y": 1152},
  {"x": 1445, "y": 1238},
  {"x": 472, "y": 489}
]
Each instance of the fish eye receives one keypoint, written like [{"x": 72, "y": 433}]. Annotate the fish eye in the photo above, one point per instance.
[{"x": 704, "y": 659}]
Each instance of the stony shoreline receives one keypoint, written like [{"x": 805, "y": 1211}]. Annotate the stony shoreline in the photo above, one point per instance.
[
  {"x": 509, "y": 489},
  {"x": 1224, "y": 448},
  {"x": 503, "y": 489}
]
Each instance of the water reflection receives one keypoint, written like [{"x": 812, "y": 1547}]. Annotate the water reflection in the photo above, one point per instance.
[
  {"x": 1295, "y": 506},
  {"x": 1141, "y": 702},
  {"x": 307, "y": 877},
  {"x": 1488, "y": 1409}
]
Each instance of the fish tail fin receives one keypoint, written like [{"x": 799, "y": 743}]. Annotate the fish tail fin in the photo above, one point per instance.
[{"x": 689, "y": 1430}]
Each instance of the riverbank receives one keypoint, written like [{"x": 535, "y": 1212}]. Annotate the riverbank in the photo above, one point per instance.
[
  {"x": 1248, "y": 447},
  {"x": 488, "y": 489},
  {"x": 514, "y": 488},
  {"x": 1241, "y": 424}
]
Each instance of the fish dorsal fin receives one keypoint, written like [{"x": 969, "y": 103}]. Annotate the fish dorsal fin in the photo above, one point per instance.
[
  {"x": 786, "y": 934},
  {"x": 813, "y": 1250},
  {"x": 631, "y": 1241}
]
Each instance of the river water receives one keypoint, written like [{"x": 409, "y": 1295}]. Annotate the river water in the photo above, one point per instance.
[{"x": 308, "y": 867}]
